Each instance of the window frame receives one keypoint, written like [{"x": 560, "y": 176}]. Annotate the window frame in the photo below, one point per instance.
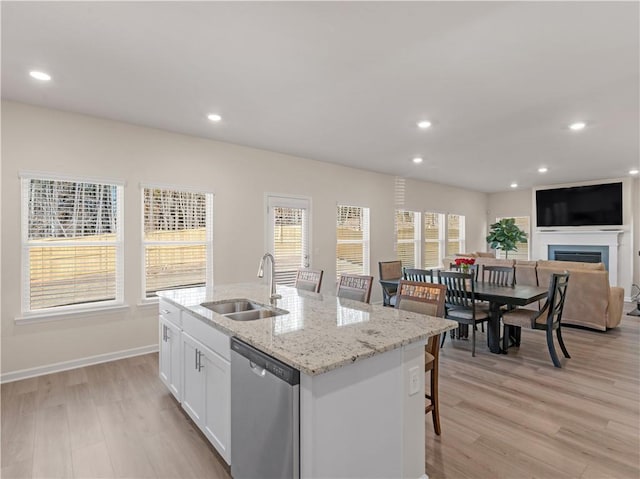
[
  {"x": 366, "y": 240},
  {"x": 26, "y": 245},
  {"x": 208, "y": 242},
  {"x": 461, "y": 240},
  {"x": 417, "y": 236},
  {"x": 279, "y": 200},
  {"x": 441, "y": 241}
]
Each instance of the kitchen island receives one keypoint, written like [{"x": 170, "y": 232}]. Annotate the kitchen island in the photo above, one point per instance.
[{"x": 361, "y": 374}]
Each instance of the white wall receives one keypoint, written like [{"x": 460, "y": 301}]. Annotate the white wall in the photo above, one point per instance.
[
  {"x": 37, "y": 139},
  {"x": 636, "y": 232}
]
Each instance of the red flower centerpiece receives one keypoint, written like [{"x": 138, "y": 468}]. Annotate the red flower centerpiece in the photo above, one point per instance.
[{"x": 464, "y": 263}]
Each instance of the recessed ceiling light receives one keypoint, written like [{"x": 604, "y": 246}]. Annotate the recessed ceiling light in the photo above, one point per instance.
[
  {"x": 424, "y": 124},
  {"x": 579, "y": 125},
  {"x": 633, "y": 171},
  {"x": 417, "y": 160},
  {"x": 514, "y": 185},
  {"x": 42, "y": 76},
  {"x": 214, "y": 117},
  {"x": 543, "y": 169}
]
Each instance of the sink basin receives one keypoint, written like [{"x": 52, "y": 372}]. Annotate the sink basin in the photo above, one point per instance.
[
  {"x": 256, "y": 314},
  {"x": 232, "y": 306},
  {"x": 241, "y": 309}
]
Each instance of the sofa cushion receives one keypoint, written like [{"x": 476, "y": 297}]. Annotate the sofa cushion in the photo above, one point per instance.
[
  {"x": 570, "y": 265},
  {"x": 526, "y": 273},
  {"x": 587, "y": 295}
]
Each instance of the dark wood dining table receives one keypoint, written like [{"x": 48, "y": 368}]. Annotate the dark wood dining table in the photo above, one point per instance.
[{"x": 497, "y": 296}]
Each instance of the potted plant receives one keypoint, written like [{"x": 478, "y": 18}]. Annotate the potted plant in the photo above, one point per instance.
[{"x": 505, "y": 235}]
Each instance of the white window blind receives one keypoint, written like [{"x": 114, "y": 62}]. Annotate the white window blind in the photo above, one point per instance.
[
  {"x": 177, "y": 239},
  {"x": 407, "y": 226},
  {"x": 352, "y": 232},
  {"x": 455, "y": 234},
  {"x": 290, "y": 242},
  {"x": 72, "y": 244},
  {"x": 522, "y": 222},
  {"x": 433, "y": 240}
]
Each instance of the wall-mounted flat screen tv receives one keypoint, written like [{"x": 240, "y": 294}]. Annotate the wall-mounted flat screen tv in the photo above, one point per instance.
[{"x": 593, "y": 205}]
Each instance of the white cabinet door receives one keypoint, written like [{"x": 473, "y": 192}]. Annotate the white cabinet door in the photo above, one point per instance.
[
  {"x": 193, "y": 379},
  {"x": 217, "y": 416},
  {"x": 165, "y": 354},
  {"x": 170, "y": 357}
]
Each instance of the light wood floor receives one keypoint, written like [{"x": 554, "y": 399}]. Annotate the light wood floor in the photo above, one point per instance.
[{"x": 512, "y": 416}]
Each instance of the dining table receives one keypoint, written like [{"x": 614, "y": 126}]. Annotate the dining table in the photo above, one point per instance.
[{"x": 497, "y": 296}]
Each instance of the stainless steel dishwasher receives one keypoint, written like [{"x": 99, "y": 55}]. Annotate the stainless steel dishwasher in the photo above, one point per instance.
[{"x": 265, "y": 419}]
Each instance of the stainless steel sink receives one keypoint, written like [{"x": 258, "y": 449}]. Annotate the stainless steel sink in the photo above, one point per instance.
[
  {"x": 256, "y": 314},
  {"x": 241, "y": 309},
  {"x": 232, "y": 306}
]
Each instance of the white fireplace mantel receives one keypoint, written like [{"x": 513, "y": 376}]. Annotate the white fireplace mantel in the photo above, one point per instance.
[{"x": 609, "y": 238}]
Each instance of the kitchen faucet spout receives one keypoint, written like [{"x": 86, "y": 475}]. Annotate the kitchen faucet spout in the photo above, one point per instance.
[{"x": 272, "y": 285}]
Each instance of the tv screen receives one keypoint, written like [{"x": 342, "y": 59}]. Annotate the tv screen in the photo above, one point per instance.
[{"x": 593, "y": 205}]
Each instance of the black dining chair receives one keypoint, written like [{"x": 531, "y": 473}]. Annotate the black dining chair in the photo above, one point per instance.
[
  {"x": 460, "y": 303},
  {"x": 419, "y": 275},
  {"x": 498, "y": 275},
  {"x": 547, "y": 319},
  {"x": 389, "y": 270}
]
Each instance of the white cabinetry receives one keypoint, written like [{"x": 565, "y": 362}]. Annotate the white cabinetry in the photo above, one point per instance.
[
  {"x": 170, "y": 360},
  {"x": 170, "y": 363},
  {"x": 206, "y": 392}
]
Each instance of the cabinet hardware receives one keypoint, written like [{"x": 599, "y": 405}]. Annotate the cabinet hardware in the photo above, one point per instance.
[
  {"x": 200, "y": 365},
  {"x": 165, "y": 311},
  {"x": 196, "y": 351},
  {"x": 164, "y": 333}
]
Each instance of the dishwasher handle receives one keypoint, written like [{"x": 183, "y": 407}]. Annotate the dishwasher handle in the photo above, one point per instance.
[{"x": 257, "y": 370}]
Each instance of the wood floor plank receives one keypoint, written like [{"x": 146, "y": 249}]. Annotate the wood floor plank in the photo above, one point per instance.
[
  {"x": 52, "y": 451},
  {"x": 92, "y": 461}
]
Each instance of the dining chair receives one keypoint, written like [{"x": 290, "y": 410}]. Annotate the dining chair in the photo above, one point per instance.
[
  {"x": 498, "y": 275},
  {"x": 309, "y": 279},
  {"x": 420, "y": 275},
  {"x": 460, "y": 303},
  {"x": 389, "y": 270},
  {"x": 547, "y": 319},
  {"x": 471, "y": 269},
  {"x": 356, "y": 287},
  {"x": 426, "y": 298}
]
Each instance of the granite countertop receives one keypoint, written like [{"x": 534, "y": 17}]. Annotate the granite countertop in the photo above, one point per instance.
[{"x": 320, "y": 332}]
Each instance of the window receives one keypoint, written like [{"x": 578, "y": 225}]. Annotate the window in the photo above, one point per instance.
[
  {"x": 408, "y": 238},
  {"x": 433, "y": 240},
  {"x": 522, "y": 222},
  {"x": 177, "y": 238},
  {"x": 352, "y": 232},
  {"x": 455, "y": 234},
  {"x": 288, "y": 236},
  {"x": 72, "y": 244}
]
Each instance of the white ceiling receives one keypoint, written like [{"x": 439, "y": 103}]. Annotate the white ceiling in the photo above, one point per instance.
[{"x": 345, "y": 82}]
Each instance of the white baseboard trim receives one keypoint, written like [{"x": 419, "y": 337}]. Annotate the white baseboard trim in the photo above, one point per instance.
[{"x": 76, "y": 363}]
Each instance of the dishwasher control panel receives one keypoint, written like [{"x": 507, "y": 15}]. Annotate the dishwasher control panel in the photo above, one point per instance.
[{"x": 266, "y": 362}]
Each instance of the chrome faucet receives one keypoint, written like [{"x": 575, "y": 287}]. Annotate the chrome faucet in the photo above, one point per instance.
[{"x": 272, "y": 285}]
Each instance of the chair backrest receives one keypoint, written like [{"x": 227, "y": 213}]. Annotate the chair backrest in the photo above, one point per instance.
[
  {"x": 555, "y": 300},
  {"x": 472, "y": 269},
  {"x": 420, "y": 275},
  {"x": 390, "y": 269},
  {"x": 309, "y": 279},
  {"x": 421, "y": 297},
  {"x": 498, "y": 275},
  {"x": 460, "y": 288},
  {"x": 356, "y": 287}
]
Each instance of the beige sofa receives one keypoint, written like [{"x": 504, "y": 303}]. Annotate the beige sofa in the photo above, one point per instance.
[{"x": 591, "y": 302}]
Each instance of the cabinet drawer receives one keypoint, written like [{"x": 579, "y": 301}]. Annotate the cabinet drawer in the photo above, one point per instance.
[
  {"x": 170, "y": 312},
  {"x": 208, "y": 335}
]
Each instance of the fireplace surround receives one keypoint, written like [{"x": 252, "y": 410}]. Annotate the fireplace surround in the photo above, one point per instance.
[{"x": 604, "y": 241}]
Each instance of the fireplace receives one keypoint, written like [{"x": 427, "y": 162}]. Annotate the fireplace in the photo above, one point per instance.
[
  {"x": 581, "y": 253},
  {"x": 577, "y": 242}
]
